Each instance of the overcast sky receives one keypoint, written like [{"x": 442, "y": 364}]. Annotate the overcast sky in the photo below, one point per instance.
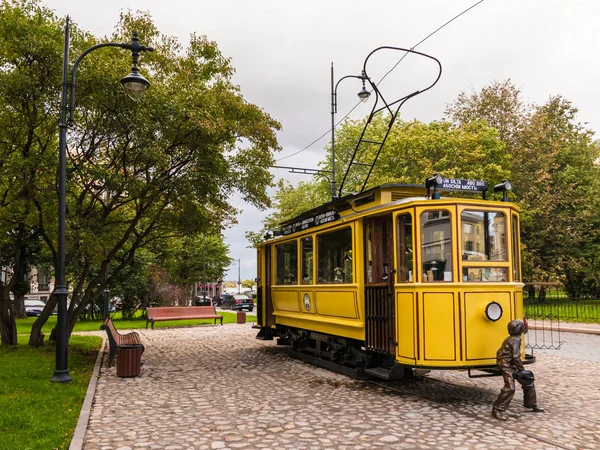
[{"x": 282, "y": 51}]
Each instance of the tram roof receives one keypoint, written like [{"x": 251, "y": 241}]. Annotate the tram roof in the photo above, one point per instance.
[{"x": 369, "y": 199}]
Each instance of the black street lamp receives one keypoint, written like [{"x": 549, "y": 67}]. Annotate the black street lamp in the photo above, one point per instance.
[
  {"x": 135, "y": 84},
  {"x": 363, "y": 95}
]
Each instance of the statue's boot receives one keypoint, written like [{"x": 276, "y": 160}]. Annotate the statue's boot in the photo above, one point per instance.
[
  {"x": 535, "y": 408},
  {"x": 497, "y": 414}
]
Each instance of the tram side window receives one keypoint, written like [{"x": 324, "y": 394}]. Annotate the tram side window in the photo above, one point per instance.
[
  {"x": 334, "y": 257},
  {"x": 307, "y": 260},
  {"x": 287, "y": 262},
  {"x": 483, "y": 236},
  {"x": 436, "y": 245},
  {"x": 405, "y": 248}
]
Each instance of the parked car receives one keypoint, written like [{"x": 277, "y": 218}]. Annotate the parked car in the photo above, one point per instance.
[
  {"x": 33, "y": 308},
  {"x": 238, "y": 302},
  {"x": 201, "y": 300}
]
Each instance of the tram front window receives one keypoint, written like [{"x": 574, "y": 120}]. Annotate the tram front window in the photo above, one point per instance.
[
  {"x": 436, "y": 246},
  {"x": 483, "y": 236}
]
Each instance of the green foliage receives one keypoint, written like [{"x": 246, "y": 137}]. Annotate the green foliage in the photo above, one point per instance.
[
  {"x": 139, "y": 174},
  {"x": 413, "y": 152},
  {"x": 34, "y": 413},
  {"x": 549, "y": 156}
]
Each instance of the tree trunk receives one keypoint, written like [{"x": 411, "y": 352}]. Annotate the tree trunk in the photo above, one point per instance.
[
  {"x": 36, "y": 337},
  {"x": 8, "y": 326},
  {"x": 19, "y": 305}
]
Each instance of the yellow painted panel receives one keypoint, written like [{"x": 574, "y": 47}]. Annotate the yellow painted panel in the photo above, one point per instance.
[
  {"x": 406, "y": 325},
  {"x": 439, "y": 326},
  {"x": 336, "y": 304},
  {"x": 350, "y": 328},
  {"x": 284, "y": 300},
  {"x": 519, "y": 313},
  {"x": 484, "y": 337}
]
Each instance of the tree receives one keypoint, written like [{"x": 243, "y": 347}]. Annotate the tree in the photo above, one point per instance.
[
  {"x": 499, "y": 104},
  {"x": 138, "y": 174},
  {"x": 30, "y": 48},
  {"x": 248, "y": 283},
  {"x": 555, "y": 175},
  {"x": 558, "y": 178},
  {"x": 413, "y": 152}
]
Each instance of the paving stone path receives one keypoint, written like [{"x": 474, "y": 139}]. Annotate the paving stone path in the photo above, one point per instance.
[{"x": 217, "y": 387}]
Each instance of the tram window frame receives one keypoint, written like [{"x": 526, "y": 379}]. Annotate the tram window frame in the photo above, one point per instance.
[
  {"x": 430, "y": 269},
  {"x": 335, "y": 264},
  {"x": 405, "y": 248},
  {"x": 516, "y": 248},
  {"x": 307, "y": 260},
  {"x": 472, "y": 243},
  {"x": 286, "y": 263}
]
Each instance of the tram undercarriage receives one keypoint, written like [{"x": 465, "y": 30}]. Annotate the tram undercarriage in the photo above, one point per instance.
[{"x": 343, "y": 355}]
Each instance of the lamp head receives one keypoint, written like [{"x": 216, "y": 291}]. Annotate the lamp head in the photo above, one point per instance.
[
  {"x": 364, "y": 94},
  {"x": 135, "y": 84}
]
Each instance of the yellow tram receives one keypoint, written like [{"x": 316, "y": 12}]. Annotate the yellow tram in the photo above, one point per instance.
[{"x": 394, "y": 279}]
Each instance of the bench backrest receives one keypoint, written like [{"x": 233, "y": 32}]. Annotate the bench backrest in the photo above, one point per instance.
[
  {"x": 108, "y": 324},
  {"x": 180, "y": 311}
]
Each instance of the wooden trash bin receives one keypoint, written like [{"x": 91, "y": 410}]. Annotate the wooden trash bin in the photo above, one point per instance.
[
  {"x": 241, "y": 317},
  {"x": 129, "y": 360}
]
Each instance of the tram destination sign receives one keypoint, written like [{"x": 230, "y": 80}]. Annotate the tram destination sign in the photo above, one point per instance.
[
  {"x": 457, "y": 184},
  {"x": 309, "y": 222}
]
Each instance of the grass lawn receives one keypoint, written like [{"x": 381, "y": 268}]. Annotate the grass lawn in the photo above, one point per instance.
[
  {"x": 35, "y": 413},
  {"x": 24, "y": 325}
]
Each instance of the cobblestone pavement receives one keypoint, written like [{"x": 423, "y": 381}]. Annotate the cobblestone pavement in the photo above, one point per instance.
[{"x": 217, "y": 387}]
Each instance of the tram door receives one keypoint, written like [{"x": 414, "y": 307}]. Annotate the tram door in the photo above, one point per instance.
[{"x": 380, "y": 316}]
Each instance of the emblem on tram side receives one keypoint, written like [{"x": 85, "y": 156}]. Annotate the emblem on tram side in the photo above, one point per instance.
[{"x": 307, "y": 302}]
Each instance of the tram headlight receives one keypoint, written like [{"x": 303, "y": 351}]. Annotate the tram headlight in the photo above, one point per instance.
[
  {"x": 503, "y": 187},
  {"x": 493, "y": 311},
  {"x": 434, "y": 181}
]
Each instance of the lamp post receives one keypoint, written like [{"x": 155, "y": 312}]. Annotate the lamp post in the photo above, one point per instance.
[
  {"x": 239, "y": 276},
  {"x": 364, "y": 96},
  {"x": 135, "y": 84}
]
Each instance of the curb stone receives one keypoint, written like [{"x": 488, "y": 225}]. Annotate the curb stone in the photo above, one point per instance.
[{"x": 86, "y": 407}]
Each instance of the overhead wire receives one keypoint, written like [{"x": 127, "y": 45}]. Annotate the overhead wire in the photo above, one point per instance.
[{"x": 382, "y": 78}]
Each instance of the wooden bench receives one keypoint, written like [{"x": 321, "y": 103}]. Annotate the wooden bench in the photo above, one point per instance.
[
  {"x": 116, "y": 339},
  {"x": 156, "y": 314}
]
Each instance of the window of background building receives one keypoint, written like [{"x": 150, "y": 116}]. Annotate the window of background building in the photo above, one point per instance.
[
  {"x": 43, "y": 279},
  {"x": 287, "y": 263},
  {"x": 334, "y": 253}
]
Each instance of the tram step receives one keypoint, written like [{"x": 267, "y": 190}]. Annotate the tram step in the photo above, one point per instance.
[
  {"x": 396, "y": 372},
  {"x": 264, "y": 335}
]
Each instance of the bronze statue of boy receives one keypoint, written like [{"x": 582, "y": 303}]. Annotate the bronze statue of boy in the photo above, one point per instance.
[{"x": 509, "y": 361}]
